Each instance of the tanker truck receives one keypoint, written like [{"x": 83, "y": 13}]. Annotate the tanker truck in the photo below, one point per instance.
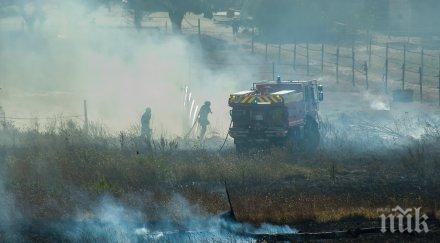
[{"x": 276, "y": 113}]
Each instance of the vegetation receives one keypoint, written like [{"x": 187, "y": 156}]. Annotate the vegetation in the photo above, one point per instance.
[
  {"x": 176, "y": 9},
  {"x": 289, "y": 20},
  {"x": 54, "y": 172}
]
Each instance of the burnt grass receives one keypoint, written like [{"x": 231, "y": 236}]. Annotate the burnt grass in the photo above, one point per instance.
[{"x": 53, "y": 174}]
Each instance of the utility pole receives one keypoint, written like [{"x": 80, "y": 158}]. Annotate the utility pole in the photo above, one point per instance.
[{"x": 86, "y": 118}]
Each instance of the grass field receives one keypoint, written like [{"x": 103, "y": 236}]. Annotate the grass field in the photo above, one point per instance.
[{"x": 53, "y": 173}]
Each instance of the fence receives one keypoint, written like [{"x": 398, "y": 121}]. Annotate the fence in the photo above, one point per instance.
[
  {"x": 390, "y": 62},
  {"x": 4, "y": 118},
  {"x": 398, "y": 64}
]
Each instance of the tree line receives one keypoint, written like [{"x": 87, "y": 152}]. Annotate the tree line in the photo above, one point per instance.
[{"x": 286, "y": 20}]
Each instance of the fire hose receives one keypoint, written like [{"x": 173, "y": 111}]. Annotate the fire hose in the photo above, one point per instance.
[
  {"x": 192, "y": 128},
  {"x": 224, "y": 141},
  {"x": 226, "y": 138}
]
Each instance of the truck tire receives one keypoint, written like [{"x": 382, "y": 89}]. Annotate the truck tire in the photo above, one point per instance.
[
  {"x": 311, "y": 135},
  {"x": 241, "y": 148}
]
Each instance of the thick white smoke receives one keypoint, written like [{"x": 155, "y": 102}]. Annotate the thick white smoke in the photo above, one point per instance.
[
  {"x": 179, "y": 222},
  {"x": 77, "y": 54}
]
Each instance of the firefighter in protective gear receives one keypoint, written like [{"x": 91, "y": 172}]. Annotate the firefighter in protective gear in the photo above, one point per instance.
[
  {"x": 202, "y": 119},
  {"x": 145, "y": 124}
]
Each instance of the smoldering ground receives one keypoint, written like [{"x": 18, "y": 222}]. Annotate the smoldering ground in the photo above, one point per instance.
[{"x": 111, "y": 221}]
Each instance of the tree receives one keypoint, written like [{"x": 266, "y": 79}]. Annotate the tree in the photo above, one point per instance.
[
  {"x": 176, "y": 9},
  {"x": 18, "y": 8}
]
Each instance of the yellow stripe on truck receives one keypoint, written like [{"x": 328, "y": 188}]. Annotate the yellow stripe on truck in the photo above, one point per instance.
[
  {"x": 249, "y": 99},
  {"x": 245, "y": 99},
  {"x": 265, "y": 99}
]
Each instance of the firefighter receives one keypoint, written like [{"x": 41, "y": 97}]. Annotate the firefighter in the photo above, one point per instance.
[
  {"x": 202, "y": 119},
  {"x": 145, "y": 124}
]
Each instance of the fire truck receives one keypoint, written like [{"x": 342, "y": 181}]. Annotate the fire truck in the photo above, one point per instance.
[{"x": 276, "y": 113}]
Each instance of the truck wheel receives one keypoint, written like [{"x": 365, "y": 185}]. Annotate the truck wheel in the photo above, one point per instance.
[
  {"x": 294, "y": 143},
  {"x": 311, "y": 135},
  {"x": 241, "y": 148}
]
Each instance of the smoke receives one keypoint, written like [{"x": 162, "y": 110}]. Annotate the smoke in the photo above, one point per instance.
[
  {"x": 78, "y": 55},
  {"x": 372, "y": 123},
  {"x": 377, "y": 102},
  {"x": 179, "y": 221}
]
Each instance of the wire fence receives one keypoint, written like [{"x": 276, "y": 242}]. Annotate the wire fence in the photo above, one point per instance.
[{"x": 386, "y": 64}]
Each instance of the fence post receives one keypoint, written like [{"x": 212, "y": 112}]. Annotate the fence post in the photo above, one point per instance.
[
  {"x": 386, "y": 69},
  {"x": 273, "y": 71},
  {"x": 2, "y": 118},
  {"x": 439, "y": 86},
  {"x": 421, "y": 71},
  {"x": 337, "y": 64},
  {"x": 366, "y": 74},
  {"x": 403, "y": 76},
  {"x": 308, "y": 60},
  {"x": 352, "y": 65},
  {"x": 421, "y": 83},
  {"x": 253, "y": 40},
  {"x": 266, "y": 52},
  {"x": 86, "y": 118},
  {"x": 279, "y": 53},
  {"x": 198, "y": 28},
  {"x": 294, "y": 56},
  {"x": 322, "y": 58},
  {"x": 369, "y": 50},
  {"x": 166, "y": 26},
  {"x": 404, "y": 67}
]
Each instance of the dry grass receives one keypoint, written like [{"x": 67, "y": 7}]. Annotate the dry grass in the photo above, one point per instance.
[{"x": 54, "y": 172}]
